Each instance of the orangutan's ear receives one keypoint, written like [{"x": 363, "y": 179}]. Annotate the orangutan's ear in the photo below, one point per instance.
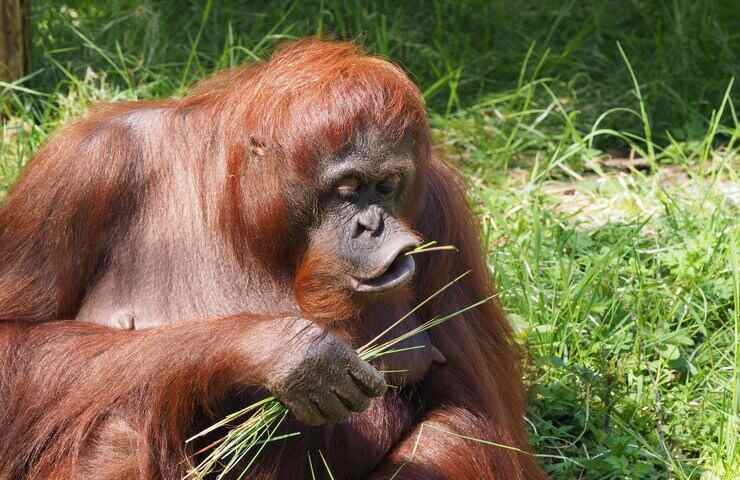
[{"x": 253, "y": 212}]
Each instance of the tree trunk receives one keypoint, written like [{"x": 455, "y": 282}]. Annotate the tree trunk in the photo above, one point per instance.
[{"x": 13, "y": 38}]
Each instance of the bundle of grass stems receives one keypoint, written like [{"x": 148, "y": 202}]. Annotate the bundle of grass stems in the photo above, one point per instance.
[{"x": 260, "y": 421}]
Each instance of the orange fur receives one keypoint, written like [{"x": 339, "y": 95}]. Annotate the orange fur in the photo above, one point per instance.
[{"x": 195, "y": 206}]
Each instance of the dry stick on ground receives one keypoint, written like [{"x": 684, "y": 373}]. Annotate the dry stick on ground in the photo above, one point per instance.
[{"x": 13, "y": 39}]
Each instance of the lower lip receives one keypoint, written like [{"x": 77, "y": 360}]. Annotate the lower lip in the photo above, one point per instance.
[{"x": 406, "y": 264}]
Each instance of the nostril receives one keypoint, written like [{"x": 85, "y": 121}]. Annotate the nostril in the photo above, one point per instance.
[
  {"x": 358, "y": 229},
  {"x": 371, "y": 219}
]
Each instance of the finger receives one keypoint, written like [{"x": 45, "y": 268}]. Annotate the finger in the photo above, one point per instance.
[
  {"x": 331, "y": 407},
  {"x": 437, "y": 356},
  {"x": 305, "y": 412},
  {"x": 368, "y": 379},
  {"x": 352, "y": 397}
]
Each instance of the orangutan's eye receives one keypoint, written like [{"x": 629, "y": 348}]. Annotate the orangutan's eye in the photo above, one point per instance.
[
  {"x": 347, "y": 187},
  {"x": 388, "y": 185}
]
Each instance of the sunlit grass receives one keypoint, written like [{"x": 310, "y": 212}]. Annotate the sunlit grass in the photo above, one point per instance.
[{"x": 622, "y": 282}]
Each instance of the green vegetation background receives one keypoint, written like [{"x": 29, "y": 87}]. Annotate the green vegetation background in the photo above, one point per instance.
[{"x": 600, "y": 140}]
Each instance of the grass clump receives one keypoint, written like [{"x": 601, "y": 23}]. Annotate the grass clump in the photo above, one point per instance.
[{"x": 262, "y": 419}]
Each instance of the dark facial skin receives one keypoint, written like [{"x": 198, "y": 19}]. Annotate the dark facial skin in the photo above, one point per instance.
[
  {"x": 319, "y": 377},
  {"x": 365, "y": 192}
]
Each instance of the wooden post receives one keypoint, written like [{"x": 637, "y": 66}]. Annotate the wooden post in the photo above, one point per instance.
[{"x": 13, "y": 38}]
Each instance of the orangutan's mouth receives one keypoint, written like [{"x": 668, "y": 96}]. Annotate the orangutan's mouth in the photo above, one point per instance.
[{"x": 397, "y": 273}]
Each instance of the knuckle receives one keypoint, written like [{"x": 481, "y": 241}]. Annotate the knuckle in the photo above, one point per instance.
[
  {"x": 342, "y": 415},
  {"x": 313, "y": 421},
  {"x": 362, "y": 404},
  {"x": 379, "y": 387}
]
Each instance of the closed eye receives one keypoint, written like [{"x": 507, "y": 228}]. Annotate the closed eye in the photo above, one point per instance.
[
  {"x": 388, "y": 185},
  {"x": 348, "y": 187}
]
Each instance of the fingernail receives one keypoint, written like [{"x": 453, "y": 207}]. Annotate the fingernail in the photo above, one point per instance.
[{"x": 437, "y": 356}]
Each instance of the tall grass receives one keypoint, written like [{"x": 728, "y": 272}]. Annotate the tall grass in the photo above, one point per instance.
[
  {"x": 623, "y": 283},
  {"x": 459, "y": 52}
]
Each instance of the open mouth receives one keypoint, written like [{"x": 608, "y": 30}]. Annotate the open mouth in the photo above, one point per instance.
[{"x": 399, "y": 272}]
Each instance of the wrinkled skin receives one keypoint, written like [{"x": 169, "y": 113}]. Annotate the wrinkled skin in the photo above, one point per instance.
[
  {"x": 322, "y": 379},
  {"x": 363, "y": 194}
]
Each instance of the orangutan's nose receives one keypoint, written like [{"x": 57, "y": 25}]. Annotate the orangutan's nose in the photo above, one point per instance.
[{"x": 371, "y": 220}]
